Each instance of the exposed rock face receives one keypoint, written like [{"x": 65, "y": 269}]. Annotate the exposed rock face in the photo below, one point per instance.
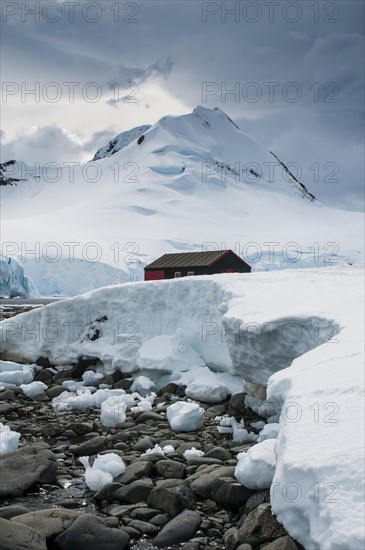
[
  {"x": 23, "y": 468},
  {"x": 16, "y": 536}
]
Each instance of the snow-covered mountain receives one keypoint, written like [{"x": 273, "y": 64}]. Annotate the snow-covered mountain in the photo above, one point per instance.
[
  {"x": 120, "y": 141},
  {"x": 186, "y": 183}
]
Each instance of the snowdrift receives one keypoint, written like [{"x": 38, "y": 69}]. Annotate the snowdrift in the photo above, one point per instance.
[{"x": 298, "y": 331}]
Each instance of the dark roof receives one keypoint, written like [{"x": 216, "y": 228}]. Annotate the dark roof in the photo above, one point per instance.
[{"x": 190, "y": 259}]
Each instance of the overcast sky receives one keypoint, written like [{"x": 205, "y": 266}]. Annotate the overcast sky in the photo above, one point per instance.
[{"x": 295, "y": 70}]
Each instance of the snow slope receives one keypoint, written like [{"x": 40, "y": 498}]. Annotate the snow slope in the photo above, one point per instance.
[
  {"x": 299, "y": 330},
  {"x": 187, "y": 183}
]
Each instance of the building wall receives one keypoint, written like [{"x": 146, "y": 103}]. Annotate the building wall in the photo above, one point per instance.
[{"x": 229, "y": 262}]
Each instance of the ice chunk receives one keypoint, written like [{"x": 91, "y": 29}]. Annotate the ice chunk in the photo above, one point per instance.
[
  {"x": 9, "y": 440},
  {"x": 14, "y": 374},
  {"x": 143, "y": 385},
  {"x": 256, "y": 468},
  {"x": 166, "y": 450},
  {"x": 185, "y": 417},
  {"x": 113, "y": 411},
  {"x": 91, "y": 377},
  {"x": 269, "y": 431},
  {"x": 34, "y": 389},
  {"x": 206, "y": 387},
  {"x": 103, "y": 471},
  {"x": 192, "y": 453}
]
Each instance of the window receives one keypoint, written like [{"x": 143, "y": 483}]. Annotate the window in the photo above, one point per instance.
[
  {"x": 177, "y": 274},
  {"x": 190, "y": 273}
]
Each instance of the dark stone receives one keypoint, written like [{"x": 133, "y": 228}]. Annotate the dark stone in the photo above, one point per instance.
[
  {"x": 219, "y": 452},
  {"x": 143, "y": 444},
  {"x": 259, "y": 497},
  {"x": 170, "y": 388},
  {"x": 230, "y": 493},
  {"x": 8, "y": 512},
  {"x": 55, "y": 391},
  {"x": 23, "y": 468},
  {"x": 261, "y": 523},
  {"x": 180, "y": 529},
  {"x": 107, "y": 492},
  {"x": 91, "y": 447},
  {"x": 171, "y": 500},
  {"x": 16, "y": 536},
  {"x": 80, "y": 428},
  {"x": 170, "y": 469},
  {"x": 82, "y": 364},
  {"x": 137, "y": 491},
  {"x": 135, "y": 471},
  {"x": 124, "y": 384},
  {"x": 283, "y": 543},
  {"x": 89, "y": 531},
  {"x": 230, "y": 538},
  {"x": 43, "y": 362}
]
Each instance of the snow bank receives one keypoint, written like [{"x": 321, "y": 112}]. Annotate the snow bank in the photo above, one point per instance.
[
  {"x": 9, "y": 440},
  {"x": 269, "y": 431},
  {"x": 185, "y": 417},
  {"x": 13, "y": 280},
  {"x": 103, "y": 471},
  {"x": 299, "y": 331},
  {"x": 256, "y": 467}
]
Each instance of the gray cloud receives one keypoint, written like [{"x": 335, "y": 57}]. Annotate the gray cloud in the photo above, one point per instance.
[{"x": 172, "y": 46}]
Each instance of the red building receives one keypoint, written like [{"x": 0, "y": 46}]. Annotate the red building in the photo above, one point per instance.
[{"x": 170, "y": 266}]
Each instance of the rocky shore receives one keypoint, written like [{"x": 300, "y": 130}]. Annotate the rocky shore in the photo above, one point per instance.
[{"x": 160, "y": 501}]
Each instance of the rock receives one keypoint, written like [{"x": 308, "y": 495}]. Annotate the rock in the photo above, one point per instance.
[
  {"x": 89, "y": 531},
  {"x": 134, "y": 492},
  {"x": 219, "y": 453},
  {"x": 43, "y": 376},
  {"x": 150, "y": 415},
  {"x": 230, "y": 493},
  {"x": 180, "y": 529},
  {"x": 170, "y": 388},
  {"x": 144, "y": 514},
  {"x": 283, "y": 543},
  {"x": 124, "y": 384},
  {"x": 7, "y": 395},
  {"x": 50, "y": 522},
  {"x": 91, "y": 447},
  {"x": 52, "y": 430},
  {"x": 237, "y": 402},
  {"x": 80, "y": 428},
  {"x": 204, "y": 461},
  {"x": 259, "y": 497},
  {"x": 204, "y": 485},
  {"x": 55, "y": 391},
  {"x": 16, "y": 536},
  {"x": 107, "y": 492},
  {"x": 135, "y": 471},
  {"x": 25, "y": 467},
  {"x": 170, "y": 469},
  {"x": 244, "y": 547},
  {"x": 143, "y": 527},
  {"x": 143, "y": 444},
  {"x": 171, "y": 500},
  {"x": 261, "y": 523},
  {"x": 7, "y": 408},
  {"x": 8, "y": 512},
  {"x": 160, "y": 520},
  {"x": 230, "y": 538}
]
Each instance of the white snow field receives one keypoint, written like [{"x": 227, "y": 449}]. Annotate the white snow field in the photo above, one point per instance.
[
  {"x": 298, "y": 331},
  {"x": 194, "y": 182}
]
